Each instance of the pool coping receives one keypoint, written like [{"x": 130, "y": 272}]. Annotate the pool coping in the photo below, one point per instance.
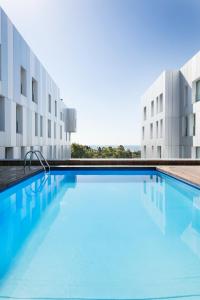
[
  {"x": 160, "y": 169},
  {"x": 178, "y": 177}
]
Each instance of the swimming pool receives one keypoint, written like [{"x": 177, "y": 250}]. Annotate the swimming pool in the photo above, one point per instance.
[{"x": 101, "y": 235}]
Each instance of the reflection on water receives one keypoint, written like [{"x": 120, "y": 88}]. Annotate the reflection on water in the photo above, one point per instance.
[
  {"x": 153, "y": 198},
  {"x": 23, "y": 206},
  {"x": 175, "y": 211},
  {"x": 191, "y": 235}
]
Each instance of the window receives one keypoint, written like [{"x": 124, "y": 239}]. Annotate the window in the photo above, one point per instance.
[
  {"x": 55, "y": 108},
  {"x": 157, "y": 105},
  {"x": 151, "y": 130},
  {"x": 194, "y": 125},
  {"x": 18, "y": 118},
  {"x": 186, "y": 126},
  {"x": 61, "y": 132},
  {"x": 9, "y": 153},
  {"x": 159, "y": 151},
  {"x": 161, "y": 128},
  {"x": 36, "y": 124},
  {"x": 143, "y": 133},
  {"x": 197, "y": 152},
  {"x": 61, "y": 115},
  {"x": 161, "y": 103},
  {"x": 54, "y": 130},
  {"x": 54, "y": 152},
  {"x": 145, "y": 151},
  {"x": 49, "y": 128},
  {"x": 191, "y": 124},
  {"x": 152, "y": 108},
  {"x": 156, "y": 129},
  {"x": 23, "y": 81},
  {"x": 145, "y": 113},
  {"x": 49, "y": 103},
  {"x": 41, "y": 126},
  {"x": 2, "y": 114},
  {"x": 34, "y": 90},
  {"x": 152, "y": 150},
  {"x": 198, "y": 90}
]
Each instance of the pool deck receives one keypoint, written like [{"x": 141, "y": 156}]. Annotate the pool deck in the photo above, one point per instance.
[
  {"x": 10, "y": 174},
  {"x": 191, "y": 174}
]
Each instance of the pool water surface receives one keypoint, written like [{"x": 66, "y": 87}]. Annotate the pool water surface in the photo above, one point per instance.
[{"x": 100, "y": 235}]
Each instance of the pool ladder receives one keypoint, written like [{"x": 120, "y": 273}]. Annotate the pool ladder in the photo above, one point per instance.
[{"x": 43, "y": 162}]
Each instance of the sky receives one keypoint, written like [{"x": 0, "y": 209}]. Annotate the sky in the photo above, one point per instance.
[{"x": 103, "y": 54}]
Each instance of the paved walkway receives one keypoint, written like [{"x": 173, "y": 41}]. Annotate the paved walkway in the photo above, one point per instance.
[{"x": 188, "y": 173}]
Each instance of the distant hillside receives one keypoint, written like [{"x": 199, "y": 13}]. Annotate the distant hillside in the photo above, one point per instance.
[{"x": 132, "y": 148}]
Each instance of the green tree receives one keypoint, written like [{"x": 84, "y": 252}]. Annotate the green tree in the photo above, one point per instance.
[{"x": 84, "y": 151}]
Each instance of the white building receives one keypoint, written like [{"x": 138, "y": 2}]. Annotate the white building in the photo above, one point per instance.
[
  {"x": 171, "y": 114},
  {"x": 32, "y": 115}
]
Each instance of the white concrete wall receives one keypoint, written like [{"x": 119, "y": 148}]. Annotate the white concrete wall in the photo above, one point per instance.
[
  {"x": 15, "y": 53},
  {"x": 165, "y": 141}
]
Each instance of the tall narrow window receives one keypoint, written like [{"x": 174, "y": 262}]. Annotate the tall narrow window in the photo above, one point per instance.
[
  {"x": 194, "y": 124},
  {"x": 41, "y": 126},
  {"x": 151, "y": 130},
  {"x": 197, "y": 152},
  {"x": 145, "y": 113},
  {"x": 161, "y": 128},
  {"x": 36, "y": 124},
  {"x": 49, "y": 128},
  {"x": 49, "y": 103},
  {"x": 18, "y": 118},
  {"x": 61, "y": 115},
  {"x": 156, "y": 129},
  {"x": 2, "y": 114},
  {"x": 54, "y": 130},
  {"x": 23, "y": 81},
  {"x": 145, "y": 151},
  {"x": 157, "y": 105},
  {"x": 198, "y": 90},
  {"x": 61, "y": 132},
  {"x": 55, "y": 108},
  {"x": 186, "y": 125},
  {"x": 34, "y": 90},
  {"x": 161, "y": 103},
  {"x": 159, "y": 151},
  {"x": 152, "y": 108},
  {"x": 143, "y": 132}
]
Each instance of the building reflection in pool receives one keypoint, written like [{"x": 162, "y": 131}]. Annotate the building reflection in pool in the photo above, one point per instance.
[
  {"x": 174, "y": 210},
  {"x": 21, "y": 209}
]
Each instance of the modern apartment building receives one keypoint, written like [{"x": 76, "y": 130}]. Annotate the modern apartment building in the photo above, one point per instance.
[
  {"x": 171, "y": 114},
  {"x": 32, "y": 115}
]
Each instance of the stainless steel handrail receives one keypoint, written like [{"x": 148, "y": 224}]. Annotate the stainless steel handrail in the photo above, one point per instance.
[{"x": 32, "y": 152}]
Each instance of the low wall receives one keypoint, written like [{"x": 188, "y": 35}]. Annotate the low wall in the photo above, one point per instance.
[{"x": 107, "y": 162}]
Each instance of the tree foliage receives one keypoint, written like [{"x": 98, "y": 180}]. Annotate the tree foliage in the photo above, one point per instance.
[{"x": 83, "y": 151}]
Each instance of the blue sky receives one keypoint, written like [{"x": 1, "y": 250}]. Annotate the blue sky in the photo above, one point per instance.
[{"x": 103, "y": 54}]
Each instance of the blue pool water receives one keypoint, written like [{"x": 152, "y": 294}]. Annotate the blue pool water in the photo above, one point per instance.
[{"x": 101, "y": 235}]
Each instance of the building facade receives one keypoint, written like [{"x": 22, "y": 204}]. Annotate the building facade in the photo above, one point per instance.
[
  {"x": 32, "y": 115},
  {"x": 171, "y": 114}
]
